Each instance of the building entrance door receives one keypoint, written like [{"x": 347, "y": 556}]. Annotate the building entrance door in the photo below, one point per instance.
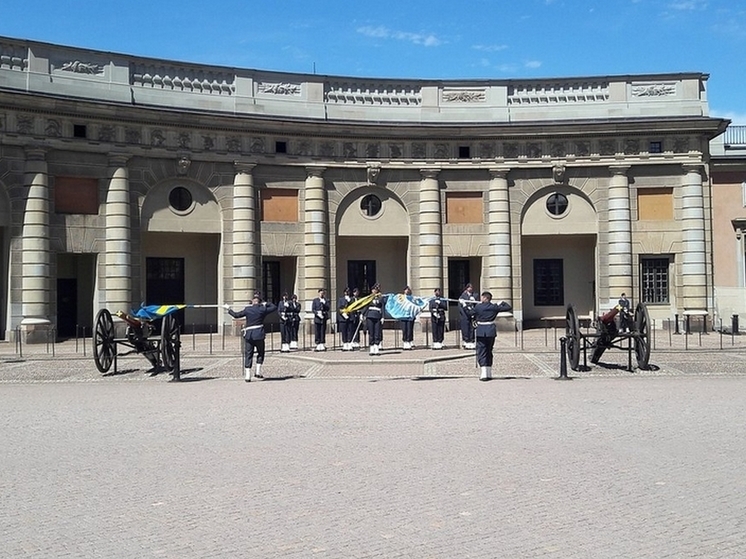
[
  {"x": 361, "y": 274},
  {"x": 164, "y": 283}
]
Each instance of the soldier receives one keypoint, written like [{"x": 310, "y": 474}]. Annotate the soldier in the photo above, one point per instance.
[
  {"x": 285, "y": 326},
  {"x": 253, "y": 332},
  {"x": 345, "y": 326},
  {"x": 294, "y": 320},
  {"x": 407, "y": 325},
  {"x": 320, "y": 309},
  {"x": 466, "y": 302},
  {"x": 374, "y": 318},
  {"x": 438, "y": 308},
  {"x": 485, "y": 313}
]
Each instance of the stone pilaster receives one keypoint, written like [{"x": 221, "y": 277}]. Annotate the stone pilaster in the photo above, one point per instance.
[
  {"x": 620, "y": 233},
  {"x": 499, "y": 267},
  {"x": 118, "y": 271},
  {"x": 693, "y": 260},
  {"x": 245, "y": 253},
  {"x": 431, "y": 233},
  {"x": 316, "y": 247},
  {"x": 35, "y": 280}
]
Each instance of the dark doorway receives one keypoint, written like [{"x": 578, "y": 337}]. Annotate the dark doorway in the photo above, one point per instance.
[
  {"x": 67, "y": 307},
  {"x": 272, "y": 281},
  {"x": 361, "y": 274},
  {"x": 458, "y": 277},
  {"x": 165, "y": 283}
]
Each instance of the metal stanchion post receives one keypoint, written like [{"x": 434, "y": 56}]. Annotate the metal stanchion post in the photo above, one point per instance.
[
  {"x": 210, "y": 328},
  {"x": 676, "y": 319},
  {"x": 563, "y": 360},
  {"x": 194, "y": 338}
]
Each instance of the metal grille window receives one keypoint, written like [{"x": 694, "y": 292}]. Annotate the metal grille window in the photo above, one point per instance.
[
  {"x": 549, "y": 288},
  {"x": 654, "y": 280}
]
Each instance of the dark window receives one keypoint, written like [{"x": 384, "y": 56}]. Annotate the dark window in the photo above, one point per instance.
[
  {"x": 361, "y": 274},
  {"x": 281, "y": 147},
  {"x": 180, "y": 199},
  {"x": 272, "y": 281},
  {"x": 80, "y": 131},
  {"x": 370, "y": 205},
  {"x": 557, "y": 204},
  {"x": 549, "y": 289},
  {"x": 656, "y": 147},
  {"x": 464, "y": 152},
  {"x": 654, "y": 280}
]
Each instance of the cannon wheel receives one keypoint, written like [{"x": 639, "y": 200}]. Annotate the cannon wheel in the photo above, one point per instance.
[
  {"x": 104, "y": 346},
  {"x": 572, "y": 334},
  {"x": 170, "y": 336},
  {"x": 642, "y": 336}
]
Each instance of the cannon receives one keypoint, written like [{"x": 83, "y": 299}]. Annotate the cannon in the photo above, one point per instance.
[
  {"x": 616, "y": 329},
  {"x": 159, "y": 343}
]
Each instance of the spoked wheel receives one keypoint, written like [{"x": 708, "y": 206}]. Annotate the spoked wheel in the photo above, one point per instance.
[
  {"x": 170, "y": 341},
  {"x": 572, "y": 335},
  {"x": 642, "y": 336},
  {"x": 104, "y": 346}
]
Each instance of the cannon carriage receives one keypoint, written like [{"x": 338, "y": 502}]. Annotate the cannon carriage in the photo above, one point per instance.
[
  {"x": 152, "y": 332},
  {"x": 617, "y": 329}
]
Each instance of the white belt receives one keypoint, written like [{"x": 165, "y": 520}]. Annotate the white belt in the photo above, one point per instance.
[
  {"x": 252, "y": 327},
  {"x": 484, "y": 323}
]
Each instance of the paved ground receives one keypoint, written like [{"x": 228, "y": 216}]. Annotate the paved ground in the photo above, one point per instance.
[{"x": 339, "y": 456}]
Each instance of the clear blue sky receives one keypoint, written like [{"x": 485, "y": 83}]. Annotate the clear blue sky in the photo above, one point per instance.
[{"x": 434, "y": 39}]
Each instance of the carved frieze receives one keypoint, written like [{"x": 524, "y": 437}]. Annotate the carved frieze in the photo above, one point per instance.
[
  {"x": 419, "y": 150},
  {"x": 79, "y": 67},
  {"x": 654, "y": 90},
  {"x": 53, "y": 129},
  {"x": 233, "y": 144},
  {"x": 464, "y": 96},
  {"x": 208, "y": 143},
  {"x": 510, "y": 150},
  {"x": 185, "y": 140},
  {"x": 607, "y": 147},
  {"x": 533, "y": 150},
  {"x": 681, "y": 145},
  {"x": 25, "y": 124},
  {"x": 557, "y": 149},
  {"x": 132, "y": 135},
  {"x": 326, "y": 149},
  {"x": 396, "y": 150},
  {"x": 257, "y": 145},
  {"x": 281, "y": 88},
  {"x": 157, "y": 138},
  {"x": 582, "y": 149},
  {"x": 349, "y": 150},
  {"x": 486, "y": 150},
  {"x": 372, "y": 150},
  {"x": 106, "y": 133},
  {"x": 304, "y": 148},
  {"x": 442, "y": 151},
  {"x": 631, "y": 146}
]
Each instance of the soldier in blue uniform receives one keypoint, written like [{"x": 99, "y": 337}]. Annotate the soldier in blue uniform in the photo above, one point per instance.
[
  {"x": 345, "y": 326},
  {"x": 466, "y": 302},
  {"x": 374, "y": 318},
  {"x": 320, "y": 309},
  {"x": 285, "y": 327},
  {"x": 438, "y": 308},
  {"x": 253, "y": 332},
  {"x": 356, "y": 318},
  {"x": 293, "y": 312},
  {"x": 485, "y": 313}
]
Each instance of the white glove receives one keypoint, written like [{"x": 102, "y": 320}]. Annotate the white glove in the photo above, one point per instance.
[
  {"x": 345, "y": 315},
  {"x": 226, "y": 306},
  {"x": 320, "y": 314}
]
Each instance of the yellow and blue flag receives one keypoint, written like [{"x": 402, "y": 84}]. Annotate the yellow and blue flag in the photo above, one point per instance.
[{"x": 153, "y": 312}]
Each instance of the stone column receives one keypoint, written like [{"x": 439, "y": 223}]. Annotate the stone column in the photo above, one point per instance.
[
  {"x": 316, "y": 237},
  {"x": 245, "y": 261},
  {"x": 693, "y": 260},
  {"x": 499, "y": 266},
  {"x": 619, "y": 268},
  {"x": 118, "y": 270},
  {"x": 35, "y": 268},
  {"x": 431, "y": 233}
]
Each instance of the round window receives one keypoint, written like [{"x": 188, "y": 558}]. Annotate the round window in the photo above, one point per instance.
[
  {"x": 180, "y": 199},
  {"x": 557, "y": 204},
  {"x": 370, "y": 205}
]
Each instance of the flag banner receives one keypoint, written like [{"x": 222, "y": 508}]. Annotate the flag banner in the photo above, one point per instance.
[
  {"x": 401, "y": 307},
  {"x": 359, "y": 304},
  {"x": 152, "y": 312}
]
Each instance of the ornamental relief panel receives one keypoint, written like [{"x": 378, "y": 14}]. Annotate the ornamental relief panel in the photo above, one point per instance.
[
  {"x": 280, "y": 88},
  {"x": 464, "y": 96}
]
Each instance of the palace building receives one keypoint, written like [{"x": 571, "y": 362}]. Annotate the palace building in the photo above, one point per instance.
[{"x": 127, "y": 180}]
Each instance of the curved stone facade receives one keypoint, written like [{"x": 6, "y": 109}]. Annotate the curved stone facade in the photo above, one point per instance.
[{"x": 135, "y": 180}]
